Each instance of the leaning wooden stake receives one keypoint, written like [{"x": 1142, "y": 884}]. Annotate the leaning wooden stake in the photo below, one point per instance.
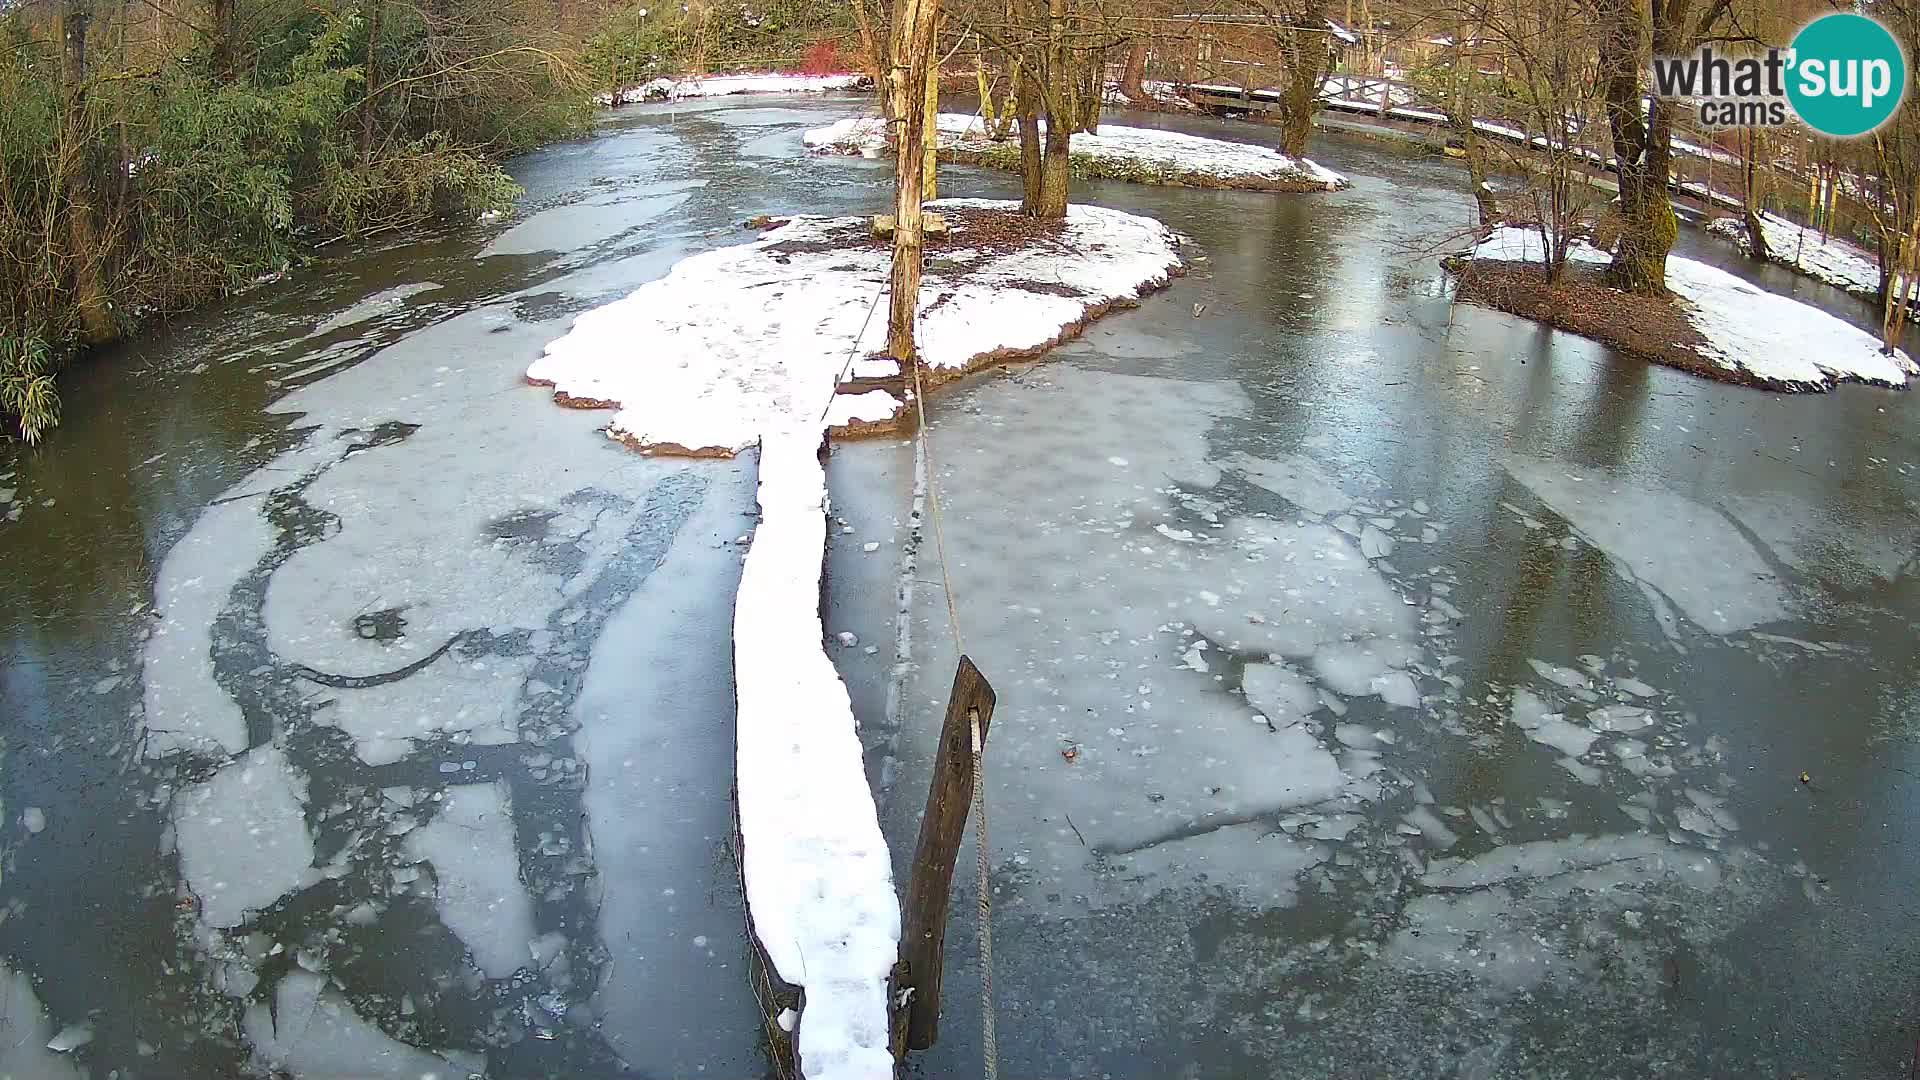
[{"x": 924, "y": 936}]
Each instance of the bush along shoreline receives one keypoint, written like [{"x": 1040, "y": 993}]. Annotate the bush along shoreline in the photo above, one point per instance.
[{"x": 150, "y": 162}]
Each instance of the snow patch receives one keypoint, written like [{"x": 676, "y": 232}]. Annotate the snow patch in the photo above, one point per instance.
[
  {"x": 818, "y": 877},
  {"x": 777, "y": 82},
  {"x": 1832, "y": 260},
  {"x": 693, "y": 365},
  {"x": 1772, "y": 338},
  {"x": 1173, "y": 155}
]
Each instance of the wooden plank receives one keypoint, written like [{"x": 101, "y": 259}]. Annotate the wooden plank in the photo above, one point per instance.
[{"x": 949, "y": 797}]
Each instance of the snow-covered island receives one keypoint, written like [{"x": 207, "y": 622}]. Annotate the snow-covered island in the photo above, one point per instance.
[
  {"x": 772, "y": 343},
  {"x": 737, "y": 341},
  {"x": 696, "y": 86},
  {"x": 1140, "y": 155},
  {"x": 1715, "y": 324}
]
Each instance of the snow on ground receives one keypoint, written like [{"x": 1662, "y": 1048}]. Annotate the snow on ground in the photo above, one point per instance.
[
  {"x": 1772, "y": 338},
  {"x": 691, "y": 367},
  {"x": 1170, "y": 157},
  {"x": 772, "y": 82},
  {"x": 1836, "y": 261},
  {"x": 746, "y": 345},
  {"x": 818, "y": 876},
  {"x": 1157, "y": 91}
]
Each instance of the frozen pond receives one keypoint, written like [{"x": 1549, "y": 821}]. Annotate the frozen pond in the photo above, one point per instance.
[
  {"x": 1390, "y": 689},
  {"x": 1385, "y": 689},
  {"x": 369, "y": 715}
]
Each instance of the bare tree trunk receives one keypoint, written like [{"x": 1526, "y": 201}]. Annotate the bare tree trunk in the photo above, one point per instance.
[
  {"x": 1750, "y": 206},
  {"x": 872, "y": 55},
  {"x": 1304, "y": 48},
  {"x": 930, "y": 133},
  {"x": 912, "y": 49},
  {"x": 1032, "y": 164},
  {"x": 1054, "y": 175},
  {"x": 1366, "y": 39},
  {"x": 221, "y": 15},
  {"x": 1134, "y": 75}
]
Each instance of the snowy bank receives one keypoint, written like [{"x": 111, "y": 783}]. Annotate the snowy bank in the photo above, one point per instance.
[
  {"x": 749, "y": 344},
  {"x": 738, "y": 341},
  {"x": 1748, "y": 334},
  {"x": 1155, "y": 93},
  {"x": 1833, "y": 260},
  {"x": 695, "y": 86},
  {"x": 818, "y": 877},
  {"x": 1142, "y": 155}
]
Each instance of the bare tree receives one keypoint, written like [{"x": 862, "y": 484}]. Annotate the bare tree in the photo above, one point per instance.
[
  {"x": 1751, "y": 149},
  {"x": 911, "y": 50},
  {"x": 1303, "y": 41},
  {"x": 1056, "y": 51},
  {"x": 1894, "y": 204}
]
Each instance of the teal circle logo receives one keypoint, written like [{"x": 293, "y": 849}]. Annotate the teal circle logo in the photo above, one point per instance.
[{"x": 1847, "y": 74}]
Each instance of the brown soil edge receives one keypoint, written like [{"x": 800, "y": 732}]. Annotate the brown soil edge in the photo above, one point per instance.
[
  {"x": 1651, "y": 329},
  {"x": 569, "y": 401},
  {"x": 933, "y": 379}
]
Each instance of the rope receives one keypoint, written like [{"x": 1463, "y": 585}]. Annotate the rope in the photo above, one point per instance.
[
  {"x": 847, "y": 364},
  {"x": 989, "y": 1044}
]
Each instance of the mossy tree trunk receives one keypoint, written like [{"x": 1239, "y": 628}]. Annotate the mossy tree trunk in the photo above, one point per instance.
[
  {"x": 1462, "y": 105},
  {"x": 1032, "y": 162},
  {"x": 1642, "y": 127},
  {"x": 1055, "y": 173},
  {"x": 1301, "y": 29},
  {"x": 1641, "y": 146}
]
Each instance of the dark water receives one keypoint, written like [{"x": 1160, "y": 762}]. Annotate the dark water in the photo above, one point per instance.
[{"x": 367, "y": 702}]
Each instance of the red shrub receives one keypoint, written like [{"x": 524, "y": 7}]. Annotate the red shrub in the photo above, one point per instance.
[{"x": 823, "y": 58}]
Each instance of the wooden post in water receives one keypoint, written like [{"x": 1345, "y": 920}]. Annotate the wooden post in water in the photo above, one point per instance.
[{"x": 923, "y": 937}]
